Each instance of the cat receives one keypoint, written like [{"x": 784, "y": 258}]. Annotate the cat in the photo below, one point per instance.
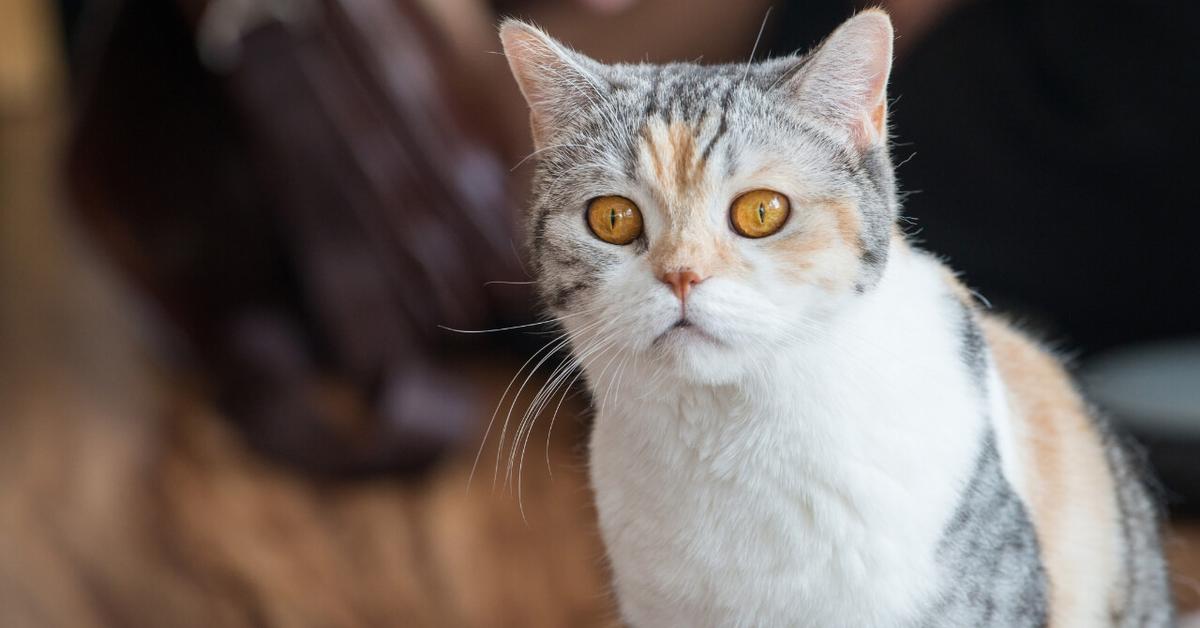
[{"x": 802, "y": 419}]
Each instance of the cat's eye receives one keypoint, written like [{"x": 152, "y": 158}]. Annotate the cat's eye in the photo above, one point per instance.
[
  {"x": 759, "y": 213},
  {"x": 614, "y": 219}
]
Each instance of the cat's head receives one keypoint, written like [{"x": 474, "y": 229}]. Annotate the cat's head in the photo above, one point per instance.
[{"x": 707, "y": 214}]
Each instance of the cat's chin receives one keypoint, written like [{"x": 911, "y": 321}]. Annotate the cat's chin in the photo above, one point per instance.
[{"x": 697, "y": 355}]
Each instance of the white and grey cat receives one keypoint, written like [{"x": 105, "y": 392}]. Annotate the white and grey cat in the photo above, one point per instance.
[{"x": 803, "y": 420}]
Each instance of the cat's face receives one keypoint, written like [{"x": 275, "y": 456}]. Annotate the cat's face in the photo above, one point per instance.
[{"x": 704, "y": 216}]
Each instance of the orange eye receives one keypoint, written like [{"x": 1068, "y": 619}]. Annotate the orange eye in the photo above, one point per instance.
[
  {"x": 614, "y": 219},
  {"x": 759, "y": 213}
]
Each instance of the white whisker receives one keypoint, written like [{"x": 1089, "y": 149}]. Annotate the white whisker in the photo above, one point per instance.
[
  {"x": 762, "y": 27},
  {"x": 501, "y": 282}
]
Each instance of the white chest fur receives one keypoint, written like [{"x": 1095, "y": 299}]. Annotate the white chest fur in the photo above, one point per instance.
[{"x": 815, "y": 494}]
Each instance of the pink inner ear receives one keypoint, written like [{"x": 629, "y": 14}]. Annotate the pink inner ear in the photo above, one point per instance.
[
  {"x": 879, "y": 117},
  {"x": 877, "y": 41},
  {"x": 849, "y": 74},
  {"x": 874, "y": 126},
  {"x": 547, "y": 73}
]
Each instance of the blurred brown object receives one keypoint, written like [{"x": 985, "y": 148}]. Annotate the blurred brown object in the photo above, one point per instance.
[
  {"x": 27, "y": 60},
  {"x": 304, "y": 190}
]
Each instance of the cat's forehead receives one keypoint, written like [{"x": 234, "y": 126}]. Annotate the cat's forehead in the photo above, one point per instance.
[
  {"x": 688, "y": 92},
  {"x": 682, "y": 83},
  {"x": 677, "y": 156},
  {"x": 680, "y": 128}
]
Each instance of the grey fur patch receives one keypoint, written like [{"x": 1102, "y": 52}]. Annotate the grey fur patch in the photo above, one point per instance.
[
  {"x": 993, "y": 574},
  {"x": 1144, "y": 596},
  {"x": 973, "y": 348}
]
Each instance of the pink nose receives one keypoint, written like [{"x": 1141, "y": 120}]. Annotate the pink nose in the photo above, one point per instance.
[{"x": 681, "y": 282}]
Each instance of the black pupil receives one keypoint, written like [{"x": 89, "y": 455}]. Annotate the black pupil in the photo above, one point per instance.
[
  {"x": 762, "y": 213},
  {"x": 612, "y": 217}
]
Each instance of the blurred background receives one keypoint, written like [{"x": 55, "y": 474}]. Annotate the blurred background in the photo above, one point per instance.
[{"x": 231, "y": 229}]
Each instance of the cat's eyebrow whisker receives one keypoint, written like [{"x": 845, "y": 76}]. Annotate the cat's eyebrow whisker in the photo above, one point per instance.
[
  {"x": 779, "y": 80},
  {"x": 544, "y": 149},
  {"x": 762, "y": 27}
]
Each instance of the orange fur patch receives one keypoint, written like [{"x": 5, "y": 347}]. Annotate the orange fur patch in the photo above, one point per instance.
[
  {"x": 825, "y": 249},
  {"x": 848, "y": 223},
  {"x": 683, "y": 147},
  {"x": 879, "y": 119},
  {"x": 677, "y": 168},
  {"x": 678, "y": 172},
  {"x": 650, "y": 148},
  {"x": 956, "y": 286},
  {"x": 1068, "y": 483}
]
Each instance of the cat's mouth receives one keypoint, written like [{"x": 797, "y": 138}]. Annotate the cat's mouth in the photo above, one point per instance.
[{"x": 684, "y": 327}]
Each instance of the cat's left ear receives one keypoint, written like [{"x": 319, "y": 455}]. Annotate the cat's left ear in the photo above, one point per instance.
[
  {"x": 555, "y": 80},
  {"x": 845, "y": 81}
]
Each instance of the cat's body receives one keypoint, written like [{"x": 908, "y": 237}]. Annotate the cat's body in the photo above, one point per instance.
[
  {"x": 882, "y": 479},
  {"x": 815, "y": 427}
]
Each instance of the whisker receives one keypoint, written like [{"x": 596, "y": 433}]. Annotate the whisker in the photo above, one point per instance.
[
  {"x": 562, "y": 372},
  {"x": 525, "y": 427},
  {"x": 558, "y": 344},
  {"x": 525, "y": 445},
  {"x": 501, "y": 282},
  {"x": 544, "y": 149},
  {"x": 512, "y": 327},
  {"x": 488, "y": 430},
  {"x": 550, "y": 430},
  {"x": 540, "y": 399},
  {"x": 762, "y": 27},
  {"x": 500, "y": 404}
]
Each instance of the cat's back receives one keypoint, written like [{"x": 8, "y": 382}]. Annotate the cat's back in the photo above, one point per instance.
[{"x": 1097, "y": 528}]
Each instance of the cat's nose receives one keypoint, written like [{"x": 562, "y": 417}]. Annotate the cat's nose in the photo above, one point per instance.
[{"x": 681, "y": 282}]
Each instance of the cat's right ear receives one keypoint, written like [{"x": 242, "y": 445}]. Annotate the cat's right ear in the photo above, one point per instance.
[
  {"x": 844, "y": 82},
  {"x": 554, "y": 79}
]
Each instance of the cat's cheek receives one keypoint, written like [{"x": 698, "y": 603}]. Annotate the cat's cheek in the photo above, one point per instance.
[{"x": 821, "y": 251}]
